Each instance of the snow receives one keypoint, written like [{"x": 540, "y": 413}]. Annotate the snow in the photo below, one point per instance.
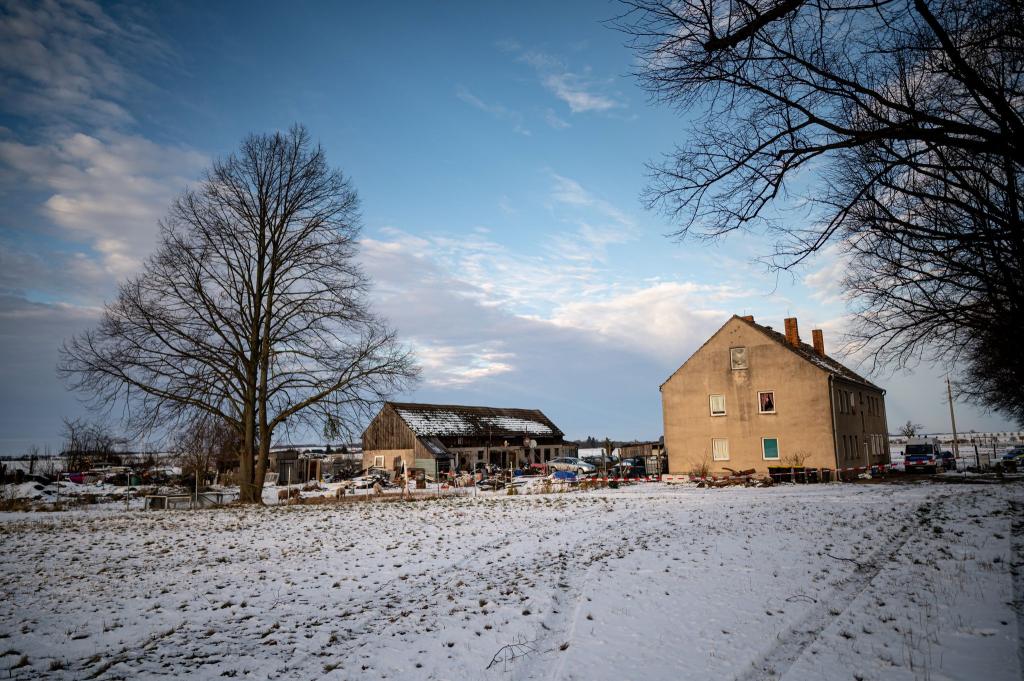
[
  {"x": 440, "y": 421},
  {"x": 54, "y": 491},
  {"x": 872, "y": 581}
]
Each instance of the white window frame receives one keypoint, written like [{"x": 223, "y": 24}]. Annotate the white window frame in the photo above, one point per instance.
[
  {"x": 732, "y": 359},
  {"x": 378, "y": 461},
  {"x": 711, "y": 404},
  {"x": 714, "y": 454},
  {"x": 765, "y": 392},
  {"x": 778, "y": 450}
]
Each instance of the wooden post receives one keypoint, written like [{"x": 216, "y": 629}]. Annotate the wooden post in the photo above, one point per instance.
[{"x": 952, "y": 419}]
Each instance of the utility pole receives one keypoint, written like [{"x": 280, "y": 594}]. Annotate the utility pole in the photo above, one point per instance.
[{"x": 952, "y": 418}]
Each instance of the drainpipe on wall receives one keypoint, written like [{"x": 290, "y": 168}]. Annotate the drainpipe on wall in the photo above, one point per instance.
[{"x": 832, "y": 408}]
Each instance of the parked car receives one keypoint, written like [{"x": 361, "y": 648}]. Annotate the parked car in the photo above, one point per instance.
[
  {"x": 1012, "y": 460},
  {"x": 1015, "y": 454},
  {"x": 948, "y": 461},
  {"x": 572, "y": 464},
  {"x": 921, "y": 458},
  {"x": 630, "y": 469},
  {"x": 628, "y": 472}
]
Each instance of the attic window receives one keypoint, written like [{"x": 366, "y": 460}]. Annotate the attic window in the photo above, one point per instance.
[
  {"x": 717, "y": 405},
  {"x": 738, "y": 358}
]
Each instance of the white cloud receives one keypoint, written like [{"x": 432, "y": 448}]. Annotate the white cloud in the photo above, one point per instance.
[
  {"x": 83, "y": 189},
  {"x": 63, "y": 62},
  {"x": 456, "y": 296},
  {"x": 67, "y": 68},
  {"x": 572, "y": 193},
  {"x": 665, "y": 320},
  {"x": 580, "y": 91},
  {"x": 826, "y": 281},
  {"x": 106, "y": 190},
  {"x": 458, "y": 365},
  {"x": 553, "y": 120},
  {"x": 499, "y": 111}
]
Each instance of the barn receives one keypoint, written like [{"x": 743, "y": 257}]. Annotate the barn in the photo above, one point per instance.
[{"x": 441, "y": 438}]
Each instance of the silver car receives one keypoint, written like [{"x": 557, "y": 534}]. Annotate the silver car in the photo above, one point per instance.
[{"x": 574, "y": 465}]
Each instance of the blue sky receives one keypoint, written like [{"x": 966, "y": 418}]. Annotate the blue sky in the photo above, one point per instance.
[{"x": 499, "y": 151}]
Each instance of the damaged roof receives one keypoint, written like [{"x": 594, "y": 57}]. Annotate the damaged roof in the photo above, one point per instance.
[
  {"x": 439, "y": 420},
  {"x": 808, "y": 353}
]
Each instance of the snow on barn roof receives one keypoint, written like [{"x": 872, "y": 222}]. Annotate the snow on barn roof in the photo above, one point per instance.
[{"x": 447, "y": 420}]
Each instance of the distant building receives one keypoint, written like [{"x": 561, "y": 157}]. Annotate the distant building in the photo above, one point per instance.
[
  {"x": 752, "y": 397},
  {"x": 440, "y": 437}
]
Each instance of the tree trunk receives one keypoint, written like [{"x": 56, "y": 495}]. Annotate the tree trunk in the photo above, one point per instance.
[{"x": 246, "y": 472}]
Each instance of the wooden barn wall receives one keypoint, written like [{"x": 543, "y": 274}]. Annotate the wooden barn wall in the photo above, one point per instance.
[
  {"x": 420, "y": 451},
  {"x": 388, "y": 431}
]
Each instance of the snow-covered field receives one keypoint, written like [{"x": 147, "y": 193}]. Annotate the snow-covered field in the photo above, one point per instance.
[{"x": 651, "y": 582}]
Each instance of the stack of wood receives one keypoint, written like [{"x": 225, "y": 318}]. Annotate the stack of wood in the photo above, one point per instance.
[{"x": 745, "y": 478}]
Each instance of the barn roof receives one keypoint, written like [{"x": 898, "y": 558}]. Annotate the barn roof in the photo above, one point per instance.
[{"x": 440, "y": 420}]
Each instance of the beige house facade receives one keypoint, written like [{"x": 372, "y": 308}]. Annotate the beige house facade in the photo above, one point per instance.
[{"x": 752, "y": 398}]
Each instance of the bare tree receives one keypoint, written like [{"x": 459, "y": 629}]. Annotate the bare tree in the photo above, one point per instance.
[
  {"x": 87, "y": 443},
  {"x": 252, "y": 311},
  {"x": 895, "y": 124},
  {"x": 910, "y": 429},
  {"x": 200, "y": 447}
]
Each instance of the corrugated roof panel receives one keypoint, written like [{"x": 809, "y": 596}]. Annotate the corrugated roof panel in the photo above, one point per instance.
[{"x": 454, "y": 420}]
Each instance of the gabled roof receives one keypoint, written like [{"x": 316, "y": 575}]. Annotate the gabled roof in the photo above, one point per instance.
[
  {"x": 808, "y": 353},
  {"x": 440, "y": 420},
  {"x": 803, "y": 350}
]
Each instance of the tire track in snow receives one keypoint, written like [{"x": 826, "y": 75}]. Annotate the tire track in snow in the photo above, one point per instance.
[
  {"x": 1017, "y": 573},
  {"x": 566, "y": 622},
  {"x": 793, "y": 642},
  {"x": 420, "y": 588}
]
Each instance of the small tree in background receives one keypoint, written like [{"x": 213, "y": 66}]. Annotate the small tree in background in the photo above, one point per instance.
[
  {"x": 200, "y": 448},
  {"x": 910, "y": 429},
  {"x": 87, "y": 443}
]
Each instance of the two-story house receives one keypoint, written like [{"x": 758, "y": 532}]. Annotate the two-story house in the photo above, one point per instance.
[{"x": 752, "y": 397}]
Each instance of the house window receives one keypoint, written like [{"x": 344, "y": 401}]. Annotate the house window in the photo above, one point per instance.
[
  {"x": 378, "y": 461},
  {"x": 720, "y": 449},
  {"x": 766, "y": 401},
  {"x": 770, "y": 448},
  {"x": 718, "y": 405},
  {"x": 738, "y": 358},
  {"x": 479, "y": 455}
]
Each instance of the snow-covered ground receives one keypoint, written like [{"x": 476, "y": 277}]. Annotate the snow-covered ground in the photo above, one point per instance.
[{"x": 811, "y": 582}]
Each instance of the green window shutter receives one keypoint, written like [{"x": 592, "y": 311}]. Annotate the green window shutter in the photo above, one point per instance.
[{"x": 771, "y": 447}]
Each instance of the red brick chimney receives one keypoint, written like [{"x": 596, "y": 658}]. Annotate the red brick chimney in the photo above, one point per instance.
[
  {"x": 819, "y": 342},
  {"x": 792, "y": 333},
  {"x": 747, "y": 317}
]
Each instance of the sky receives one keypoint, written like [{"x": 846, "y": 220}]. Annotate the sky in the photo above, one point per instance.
[{"x": 500, "y": 153}]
